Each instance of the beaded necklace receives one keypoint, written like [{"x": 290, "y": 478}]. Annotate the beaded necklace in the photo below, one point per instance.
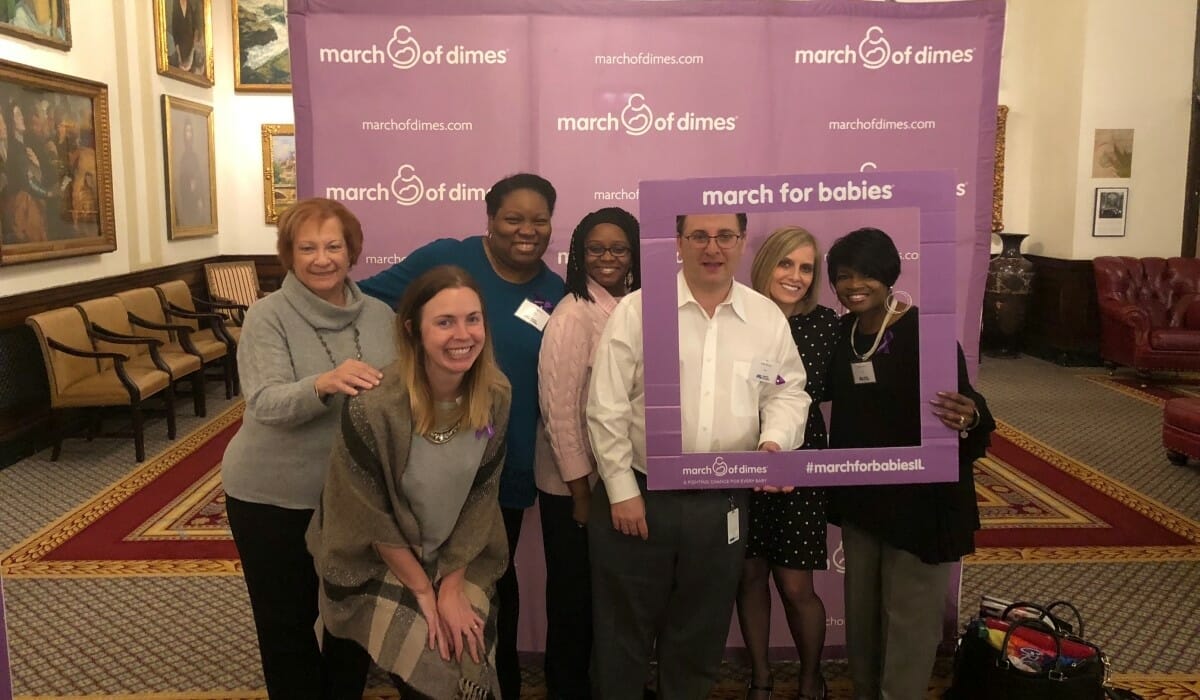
[{"x": 329, "y": 353}]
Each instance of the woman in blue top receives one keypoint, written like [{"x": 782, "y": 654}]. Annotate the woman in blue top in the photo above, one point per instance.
[{"x": 519, "y": 292}]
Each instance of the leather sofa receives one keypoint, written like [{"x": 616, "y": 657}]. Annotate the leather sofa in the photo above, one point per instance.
[
  {"x": 1149, "y": 312},
  {"x": 1181, "y": 430}
]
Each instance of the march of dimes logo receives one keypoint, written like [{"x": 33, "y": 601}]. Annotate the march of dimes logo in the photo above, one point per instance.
[
  {"x": 875, "y": 52},
  {"x": 637, "y": 118},
  {"x": 403, "y": 51},
  {"x": 407, "y": 189},
  {"x": 720, "y": 468}
]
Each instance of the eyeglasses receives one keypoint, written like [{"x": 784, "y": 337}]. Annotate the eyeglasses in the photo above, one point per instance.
[
  {"x": 725, "y": 240},
  {"x": 596, "y": 250}
]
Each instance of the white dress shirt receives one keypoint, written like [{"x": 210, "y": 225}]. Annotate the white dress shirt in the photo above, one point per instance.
[{"x": 725, "y": 406}]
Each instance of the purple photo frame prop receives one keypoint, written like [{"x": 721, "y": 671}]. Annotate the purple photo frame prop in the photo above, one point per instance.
[{"x": 668, "y": 467}]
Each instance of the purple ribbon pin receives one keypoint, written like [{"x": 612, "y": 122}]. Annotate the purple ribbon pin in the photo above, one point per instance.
[
  {"x": 488, "y": 430},
  {"x": 779, "y": 380},
  {"x": 547, "y": 306},
  {"x": 887, "y": 341}
]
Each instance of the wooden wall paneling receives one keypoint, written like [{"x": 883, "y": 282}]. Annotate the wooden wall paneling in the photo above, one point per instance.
[{"x": 1063, "y": 322}]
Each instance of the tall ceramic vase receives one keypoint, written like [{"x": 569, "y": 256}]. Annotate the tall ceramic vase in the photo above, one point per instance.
[{"x": 1006, "y": 299}]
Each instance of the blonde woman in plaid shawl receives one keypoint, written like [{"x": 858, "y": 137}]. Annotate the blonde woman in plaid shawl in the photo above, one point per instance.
[{"x": 408, "y": 539}]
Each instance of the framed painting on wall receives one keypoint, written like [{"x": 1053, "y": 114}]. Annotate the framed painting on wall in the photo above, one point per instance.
[
  {"x": 191, "y": 169},
  {"x": 261, "y": 60},
  {"x": 183, "y": 40},
  {"x": 1111, "y": 210},
  {"x": 56, "y": 187},
  {"x": 279, "y": 169},
  {"x": 44, "y": 21}
]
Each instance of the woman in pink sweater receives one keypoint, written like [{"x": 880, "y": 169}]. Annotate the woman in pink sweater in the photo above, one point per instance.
[{"x": 602, "y": 267}]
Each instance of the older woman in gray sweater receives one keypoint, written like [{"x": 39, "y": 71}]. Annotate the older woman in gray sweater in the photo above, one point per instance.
[{"x": 303, "y": 350}]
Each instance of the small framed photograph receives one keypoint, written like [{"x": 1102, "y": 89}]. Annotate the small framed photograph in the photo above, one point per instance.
[
  {"x": 46, "y": 21},
  {"x": 1111, "y": 207},
  {"x": 261, "y": 59},
  {"x": 279, "y": 169},
  {"x": 191, "y": 171},
  {"x": 183, "y": 40},
  {"x": 56, "y": 182}
]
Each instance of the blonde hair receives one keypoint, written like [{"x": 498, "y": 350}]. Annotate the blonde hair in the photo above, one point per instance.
[
  {"x": 778, "y": 246},
  {"x": 481, "y": 385}
]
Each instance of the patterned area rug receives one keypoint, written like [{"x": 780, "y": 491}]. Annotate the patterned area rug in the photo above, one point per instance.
[
  {"x": 1038, "y": 504},
  {"x": 1156, "y": 389},
  {"x": 166, "y": 517}
]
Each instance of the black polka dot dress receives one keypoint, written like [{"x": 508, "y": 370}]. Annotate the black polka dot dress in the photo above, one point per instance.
[{"x": 788, "y": 529}]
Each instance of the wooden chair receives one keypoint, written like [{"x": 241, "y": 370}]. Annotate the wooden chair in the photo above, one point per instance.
[
  {"x": 207, "y": 331},
  {"x": 232, "y": 288},
  {"x": 81, "y": 377},
  {"x": 110, "y": 325}
]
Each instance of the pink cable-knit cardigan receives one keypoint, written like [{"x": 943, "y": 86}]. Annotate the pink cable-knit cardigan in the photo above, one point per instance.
[{"x": 564, "y": 366}]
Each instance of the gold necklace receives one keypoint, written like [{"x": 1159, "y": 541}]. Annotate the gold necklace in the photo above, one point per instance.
[{"x": 441, "y": 437}]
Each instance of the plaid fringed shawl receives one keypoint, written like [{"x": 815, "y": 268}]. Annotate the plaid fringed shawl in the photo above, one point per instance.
[{"x": 362, "y": 504}]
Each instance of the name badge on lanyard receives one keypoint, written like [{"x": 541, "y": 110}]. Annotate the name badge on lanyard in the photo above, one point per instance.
[{"x": 863, "y": 372}]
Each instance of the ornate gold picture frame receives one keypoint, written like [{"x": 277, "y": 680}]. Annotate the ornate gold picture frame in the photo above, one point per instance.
[
  {"x": 183, "y": 40},
  {"x": 279, "y": 169},
  {"x": 998, "y": 171},
  {"x": 191, "y": 169},
  {"x": 261, "y": 57},
  {"x": 47, "y": 22},
  {"x": 57, "y": 175}
]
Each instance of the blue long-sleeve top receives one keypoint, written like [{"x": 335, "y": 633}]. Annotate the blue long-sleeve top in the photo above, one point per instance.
[{"x": 516, "y": 342}]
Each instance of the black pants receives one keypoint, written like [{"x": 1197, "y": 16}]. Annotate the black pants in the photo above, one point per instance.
[
  {"x": 669, "y": 597},
  {"x": 568, "y": 600},
  {"x": 508, "y": 611},
  {"x": 282, "y": 584}
]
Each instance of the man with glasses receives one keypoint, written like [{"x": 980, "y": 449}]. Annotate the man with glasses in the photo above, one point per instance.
[{"x": 666, "y": 564}]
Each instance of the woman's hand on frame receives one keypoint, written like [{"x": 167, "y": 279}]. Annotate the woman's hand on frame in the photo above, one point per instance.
[{"x": 955, "y": 410}]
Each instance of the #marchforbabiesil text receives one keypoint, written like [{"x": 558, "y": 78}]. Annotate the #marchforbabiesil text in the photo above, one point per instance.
[{"x": 860, "y": 466}]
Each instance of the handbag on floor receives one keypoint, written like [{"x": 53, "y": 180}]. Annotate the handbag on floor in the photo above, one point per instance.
[{"x": 1027, "y": 653}]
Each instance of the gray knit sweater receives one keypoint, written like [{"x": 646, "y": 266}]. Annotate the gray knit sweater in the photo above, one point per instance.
[{"x": 281, "y": 453}]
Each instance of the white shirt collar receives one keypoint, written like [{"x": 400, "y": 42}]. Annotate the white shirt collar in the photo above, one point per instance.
[{"x": 735, "y": 299}]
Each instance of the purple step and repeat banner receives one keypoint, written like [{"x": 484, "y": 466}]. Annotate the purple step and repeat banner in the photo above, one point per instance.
[{"x": 408, "y": 110}]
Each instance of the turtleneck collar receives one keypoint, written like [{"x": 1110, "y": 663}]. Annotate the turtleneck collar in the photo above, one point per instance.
[
  {"x": 318, "y": 312},
  {"x": 601, "y": 296}
]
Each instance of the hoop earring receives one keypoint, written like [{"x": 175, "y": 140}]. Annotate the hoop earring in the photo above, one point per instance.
[
  {"x": 892, "y": 304},
  {"x": 628, "y": 280}
]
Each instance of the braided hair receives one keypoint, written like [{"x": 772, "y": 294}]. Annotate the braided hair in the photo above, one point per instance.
[{"x": 577, "y": 277}]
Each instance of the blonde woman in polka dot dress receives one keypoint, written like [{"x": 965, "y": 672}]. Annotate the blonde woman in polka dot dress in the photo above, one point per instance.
[{"x": 787, "y": 530}]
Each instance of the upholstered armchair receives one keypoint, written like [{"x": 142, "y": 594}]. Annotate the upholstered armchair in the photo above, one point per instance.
[
  {"x": 110, "y": 326},
  {"x": 1149, "y": 312},
  {"x": 81, "y": 377},
  {"x": 207, "y": 331},
  {"x": 146, "y": 313}
]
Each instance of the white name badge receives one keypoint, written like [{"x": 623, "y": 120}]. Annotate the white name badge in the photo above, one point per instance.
[
  {"x": 532, "y": 314},
  {"x": 765, "y": 371},
  {"x": 863, "y": 372},
  {"x": 732, "y": 528}
]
